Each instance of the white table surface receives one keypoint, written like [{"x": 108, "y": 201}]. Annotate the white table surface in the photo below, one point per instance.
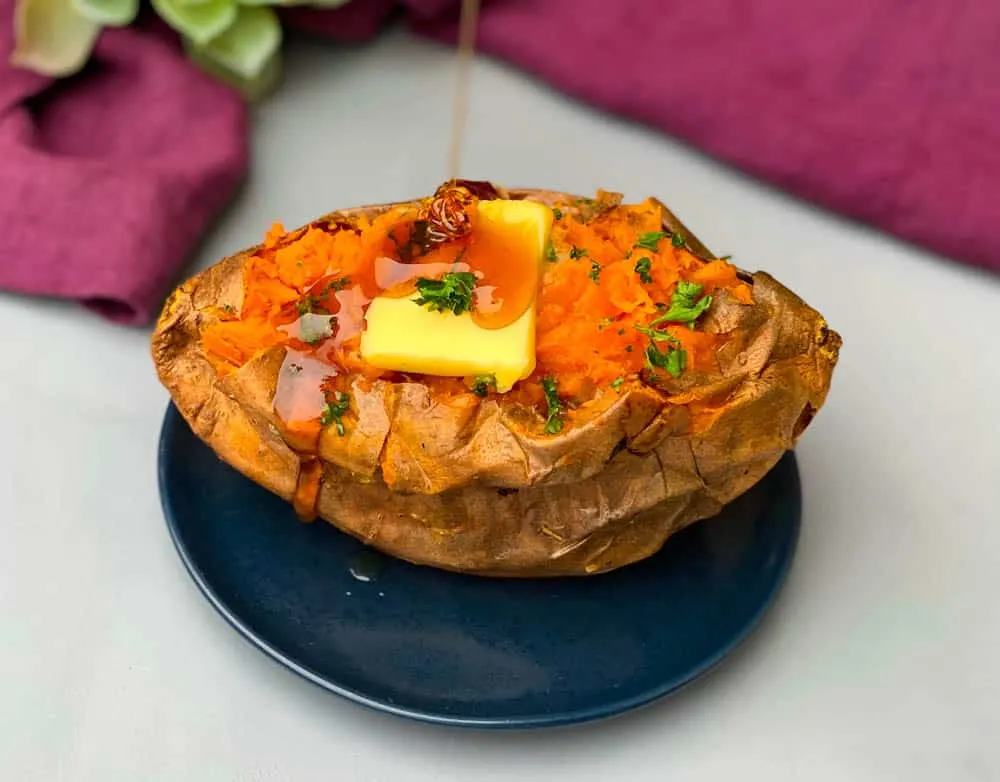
[{"x": 881, "y": 660}]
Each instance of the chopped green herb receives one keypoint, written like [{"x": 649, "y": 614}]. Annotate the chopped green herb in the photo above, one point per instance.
[
  {"x": 673, "y": 359},
  {"x": 557, "y": 212},
  {"x": 643, "y": 267},
  {"x": 577, "y": 252},
  {"x": 677, "y": 240},
  {"x": 726, "y": 258},
  {"x": 595, "y": 272},
  {"x": 685, "y": 306},
  {"x": 333, "y": 413},
  {"x": 229, "y": 308},
  {"x": 617, "y": 383},
  {"x": 337, "y": 284},
  {"x": 483, "y": 383},
  {"x": 621, "y": 332},
  {"x": 650, "y": 240},
  {"x": 310, "y": 302},
  {"x": 628, "y": 254},
  {"x": 550, "y": 253},
  {"x": 553, "y": 422},
  {"x": 453, "y": 292},
  {"x": 307, "y": 304},
  {"x": 628, "y": 348}
]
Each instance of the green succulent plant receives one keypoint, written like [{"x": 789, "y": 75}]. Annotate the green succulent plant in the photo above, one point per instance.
[{"x": 238, "y": 41}]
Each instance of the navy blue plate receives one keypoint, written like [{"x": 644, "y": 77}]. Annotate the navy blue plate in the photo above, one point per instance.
[{"x": 466, "y": 650}]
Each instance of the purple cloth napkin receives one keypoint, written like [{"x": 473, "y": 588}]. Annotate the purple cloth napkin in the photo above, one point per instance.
[
  {"x": 886, "y": 111},
  {"x": 108, "y": 180}
]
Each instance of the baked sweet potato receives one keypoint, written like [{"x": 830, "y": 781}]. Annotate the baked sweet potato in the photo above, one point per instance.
[{"x": 666, "y": 383}]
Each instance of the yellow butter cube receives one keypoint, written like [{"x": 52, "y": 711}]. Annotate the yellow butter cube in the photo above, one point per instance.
[{"x": 404, "y": 336}]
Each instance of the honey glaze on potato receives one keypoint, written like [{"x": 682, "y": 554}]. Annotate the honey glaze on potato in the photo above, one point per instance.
[
  {"x": 621, "y": 445},
  {"x": 611, "y": 275}
]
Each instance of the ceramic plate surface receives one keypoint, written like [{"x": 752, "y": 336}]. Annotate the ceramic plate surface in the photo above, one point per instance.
[{"x": 465, "y": 650}]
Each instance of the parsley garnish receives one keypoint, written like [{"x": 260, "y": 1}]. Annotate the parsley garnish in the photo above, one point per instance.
[
  {"x": 306, "y": 305},
  {"x": 550, "y": 253},
  {"x": 453, "y": 292},
  {"x": 651, "y": 240},
  {"x": 673, "y": 359},
  {"x": 310, "y": 304},
  {"x": 333, "y": 413},
  {"x": 677, "y": 240},
  {"x": 595, "y": 272},
  {"x": 553, "y": 422},
  {"x": 685, "y": 306},
  {"x": 617, "y": 383},
  {"x": 557, "y": 212},
  {"x": 643, "y": 267},
  {"x": 628, "y": 348},
  {"x": 483, "y": 383},
  {"x": 337, "y": 284},
  {"x": 726, "y": 258},
  {"x": 577, "y": 252},
  {"x": 621, "y": 332}
]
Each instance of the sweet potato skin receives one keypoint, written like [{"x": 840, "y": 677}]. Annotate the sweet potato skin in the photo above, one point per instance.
[{"x": 473, "y": 485}]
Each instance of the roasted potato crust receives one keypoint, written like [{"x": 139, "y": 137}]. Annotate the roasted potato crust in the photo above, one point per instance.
[{"x": 472, "y": 485}]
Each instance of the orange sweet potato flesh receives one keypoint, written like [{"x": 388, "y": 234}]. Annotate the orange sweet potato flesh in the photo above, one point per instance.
[{"x": 476, "y": 485}]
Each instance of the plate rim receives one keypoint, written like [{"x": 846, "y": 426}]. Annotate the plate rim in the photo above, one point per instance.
[{"x": 172, "y": 419}]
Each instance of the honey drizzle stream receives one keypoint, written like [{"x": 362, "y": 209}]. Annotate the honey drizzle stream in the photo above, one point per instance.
[
  {"x": 466, "y": 52},
  {"x": 310, "y": 467}
]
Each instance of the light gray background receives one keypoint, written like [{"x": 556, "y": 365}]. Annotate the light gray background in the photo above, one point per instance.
[{"x": 881, "y": 660}]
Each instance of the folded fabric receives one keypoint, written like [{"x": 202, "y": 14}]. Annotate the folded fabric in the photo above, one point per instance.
[
  {"x": 109, "y": 179},
  {"x": 886, "y": 111}
]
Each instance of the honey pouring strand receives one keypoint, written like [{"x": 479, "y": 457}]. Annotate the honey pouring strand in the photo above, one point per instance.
[{"x": 466, "y": 52}]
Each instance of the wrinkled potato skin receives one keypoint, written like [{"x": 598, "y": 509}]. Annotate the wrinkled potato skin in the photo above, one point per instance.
[{"x": 475, "y": 485}]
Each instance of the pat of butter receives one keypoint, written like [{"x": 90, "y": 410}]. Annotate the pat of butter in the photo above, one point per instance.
[{"x": 403, "y": 336}]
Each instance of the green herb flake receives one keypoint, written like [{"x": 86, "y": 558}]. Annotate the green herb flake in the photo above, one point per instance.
[
  {"x": 557, "y": 212},
  {"x": 334, "y": 412},
  {"x": 617, "y": 383},
  {"x": 595, "y": 272},
  {"x": 685, "y": 305},
  {"x": 726, "y": 258},
  {"x": 553, "y": 421},
  {"x": 550, "y": 253},
  {"x": 650, "y": 240},
  {"x": 677, "y": 240},
  {"x": 577, "y": 252},
  {"x": 453, "y": 292},
  {"x": 483, "y": 383},
  {"x": 621, "y": 332},
  {"x": 643, "y": 267},
  {"x": 337, "y": 284},
  {"x": 673, "y": 359},
  {"x": 628, "y": 348}
]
